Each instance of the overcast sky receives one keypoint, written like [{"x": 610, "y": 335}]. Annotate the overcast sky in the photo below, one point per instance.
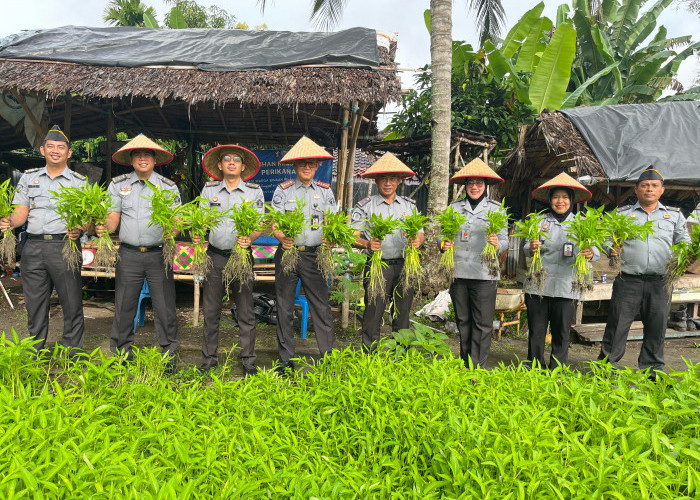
[{"x": 407, "y": 20}]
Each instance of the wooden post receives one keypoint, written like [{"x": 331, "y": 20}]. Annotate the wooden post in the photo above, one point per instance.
[
  {"x": 342, "y": 161},
  {"x": 350, "y": 173},
  {"x": 111, "y": 139},
  {"x": 67, "y": 113}
]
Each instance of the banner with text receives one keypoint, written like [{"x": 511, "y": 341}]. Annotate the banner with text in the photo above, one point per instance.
[{"x": 272, "y": 173}]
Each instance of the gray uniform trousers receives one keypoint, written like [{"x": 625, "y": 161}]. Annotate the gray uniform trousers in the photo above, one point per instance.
[
  {"x": 133, "y": 266},
  {"x": 474, "y": 304},
  {"x": 213, "y": 301},
  {"x": 400, "y": 307},
  {"x": 558, "y": 313},
  {"x": 632, "y": 293},
  {"x": 316, "y": 291},
  {"x": 43, "y": 268}
]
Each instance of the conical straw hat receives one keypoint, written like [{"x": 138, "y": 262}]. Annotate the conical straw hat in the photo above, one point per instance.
[
  {"x": 210, "y": 161},
  {"x": 306, "y": 149},
  {"x": 476, "y": 168},
  {"x": 562, "y": 181},
  {"x": 388, "y": 164},
  {"x": 123, "y": 156}
]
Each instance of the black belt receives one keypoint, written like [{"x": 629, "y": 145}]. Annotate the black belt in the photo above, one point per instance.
[
  {"x": 141, "y": 249},
  {"x": 303, "y": 248},
  {"x": 642, "y": 277},
  {"x": 224, "y": 253},
  {"x": 393, "y": 261},
  {"x": 31, "y": 236}
]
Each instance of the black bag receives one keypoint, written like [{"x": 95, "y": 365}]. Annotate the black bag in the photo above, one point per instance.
[{"x": 265, "y": 307}]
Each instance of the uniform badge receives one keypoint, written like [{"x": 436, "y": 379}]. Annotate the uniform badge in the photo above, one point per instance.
[
  {"x": 36, "y": 181},
  {"x": 315, "y": 222},
  {"x": 356, "y": 216},
  {"x": 317, "y": 197},
  {"x": 464, "y": 236},
  {"x": 215, "y": 198},
  {"x": 545, "y": 226},
  {"x": 277, "y": 199},
  {"x": 260, "y": 203},
  {"x": 667, "y": 216}
]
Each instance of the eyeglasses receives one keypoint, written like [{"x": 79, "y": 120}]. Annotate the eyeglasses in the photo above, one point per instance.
[
  {"x": 475, "y": 182},
  {"x": 235, "y": 158},
  {"x": 307, "y": 163}
]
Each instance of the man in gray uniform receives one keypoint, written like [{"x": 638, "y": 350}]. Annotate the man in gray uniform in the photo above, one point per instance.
[
  {"x": 317, "y": 196},
  {"x": 640, "y": 285},
  {"x": 43, "y": 267},
  {"x": 388, "y": 173},
  {"x": 141, "y": 248},
  {"x": 227, "y": 164}
]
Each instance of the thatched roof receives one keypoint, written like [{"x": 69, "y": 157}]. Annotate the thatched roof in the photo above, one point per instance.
[{"x": 268, "y": 106}]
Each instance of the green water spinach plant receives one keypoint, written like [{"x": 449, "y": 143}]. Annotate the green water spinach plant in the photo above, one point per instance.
[
  {"x": 683, "y": 254},
  {"x": 531, "y": 230},
  {"x": 450, "y": 221},
  {"x": 379, "y": 227},
  {"x": 291, "y": 223},
  {"x": 411, "y": 225},
  {"x": 247, "y": 220},
  {"x": 620, "y": 228},
  {"x": 71, "y": 206},
  {"x": 586, "y": 231},
  {"x": 336, "y": 233},
  {"x": 199, "y": 217},
  {"x": 165, "y": 213},
  {"x": 9, "y": 241},
  {"x": 498, "y": 220}
]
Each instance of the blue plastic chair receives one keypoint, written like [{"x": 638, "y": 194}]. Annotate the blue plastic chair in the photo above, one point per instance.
[
  {"x": 300, "y": 300},
  {"x": 141, "y": 312}
]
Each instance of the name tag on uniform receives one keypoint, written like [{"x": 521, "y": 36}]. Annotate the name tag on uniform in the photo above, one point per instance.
[
  {"x": 214, "y": 204},
  {"x": 464, "y": 236},
  {"x": 568, "y": 249},
  {"x": 315, "y": 222}
]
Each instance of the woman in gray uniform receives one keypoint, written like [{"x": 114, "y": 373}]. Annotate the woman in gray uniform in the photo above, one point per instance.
[
  {"x": 553, "y": 304},
  {"x": 473, "y": 291}
]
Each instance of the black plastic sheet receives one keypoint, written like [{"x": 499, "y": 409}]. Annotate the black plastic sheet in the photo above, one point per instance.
[
  {"x": 206, "y": 49},
  {"x": 627, "y": 138}
]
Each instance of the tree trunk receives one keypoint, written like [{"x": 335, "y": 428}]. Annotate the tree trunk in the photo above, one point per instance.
[{"x": 441, "y": 109}]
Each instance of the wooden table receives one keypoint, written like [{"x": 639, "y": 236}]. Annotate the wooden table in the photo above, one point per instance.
[{"x": 686, "y": 291}]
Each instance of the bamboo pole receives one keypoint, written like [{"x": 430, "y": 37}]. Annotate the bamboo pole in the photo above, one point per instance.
[
  {"x": 350, "y": 173},
  {"x": 342, "y": 156}
]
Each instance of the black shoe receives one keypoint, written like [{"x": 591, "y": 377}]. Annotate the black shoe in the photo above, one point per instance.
[
  {"x": 250, "y": 370},
  {"x": 170, "y": 367},
  {"x": 205, "y": 368},
  {"x": 690, "y": 325},
  {"x": 285, "y": 370}
]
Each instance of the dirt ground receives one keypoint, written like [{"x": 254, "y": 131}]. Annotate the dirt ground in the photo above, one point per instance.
[{"x": 99, "y": 312}]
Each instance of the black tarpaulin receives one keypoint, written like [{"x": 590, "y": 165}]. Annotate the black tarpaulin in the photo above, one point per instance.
[
  {"x": 207, "y": 49},
  {"x": 627, "y": 138}
]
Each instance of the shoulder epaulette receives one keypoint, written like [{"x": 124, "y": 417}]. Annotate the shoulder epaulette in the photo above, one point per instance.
[
  {"x": 212, "y": 183},
  {"x": 32, "y": 170},
  {"x": 410, "y": 200},
  {"x": 324, "y": 185},
  {"x": 287, "y": 184},
  {"x": 673, "y": 209},
  {"x": 252, "y": 185},
  {"x": 119, "y": 178},
  {"x": 364, "y": 202},
  {"x": 626, "y": 207},
  {"x": 79, "y": 176},
  {"x": 167, "y": 181}
]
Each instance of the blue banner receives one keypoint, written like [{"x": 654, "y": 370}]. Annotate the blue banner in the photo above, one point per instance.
[{"x": 272, "y": 173}]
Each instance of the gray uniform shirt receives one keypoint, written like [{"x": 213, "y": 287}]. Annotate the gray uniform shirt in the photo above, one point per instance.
[
  {"x": 34, "y": 191},
  {"x": 223, "y": 235},
  {"x": 132, "y": 198},
  {"x": 558, "y": 268},
  {"x": 317, "y": 197},
  {"x": 650, "y": 255},
  {"x": 471, "y": 240},
  {"x": 395, "y": 243}
]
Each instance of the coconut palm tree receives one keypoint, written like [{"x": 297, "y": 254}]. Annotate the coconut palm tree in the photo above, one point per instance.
[{"x": 127, "y": 13}]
